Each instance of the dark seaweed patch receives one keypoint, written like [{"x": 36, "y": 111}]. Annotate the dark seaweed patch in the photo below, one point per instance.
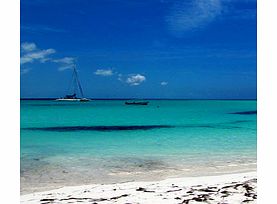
[
  {"x": 124, "y": 128},
  {"x": 245, "y": 113},
  {"x": 100, "y": 128}
]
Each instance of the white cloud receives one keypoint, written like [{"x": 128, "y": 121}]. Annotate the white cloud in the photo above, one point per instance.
[
  {"x": 25, "y": 71},
  {"x": 192, "y": 14},
  {"x": 104, "y": 72},
  {"x": 65, "y": 67},
  {"x": 65, "y": 60},
  {"x": 164, "y": 83},
  {"x": 28, "y": 47},
  {"x": 38, "y": 55},
  {"x": 65, "y": 63},
  {"x": 135, "y": 79},
  {"x": 31, "y": 53}
]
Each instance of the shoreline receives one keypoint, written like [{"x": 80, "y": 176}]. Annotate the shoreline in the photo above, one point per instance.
[
  {"x": 232, "y": 188},
  {"x": 124, "y": 177}
]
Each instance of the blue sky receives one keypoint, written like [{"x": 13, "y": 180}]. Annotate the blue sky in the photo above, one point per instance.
[{"x": 140, "y": 48}]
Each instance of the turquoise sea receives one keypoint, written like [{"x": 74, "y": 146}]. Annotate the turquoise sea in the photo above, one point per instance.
[{"x": 105, "y": 141}]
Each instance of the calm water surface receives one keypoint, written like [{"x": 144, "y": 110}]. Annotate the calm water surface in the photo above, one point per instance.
[{"x": 105, "y": 141}]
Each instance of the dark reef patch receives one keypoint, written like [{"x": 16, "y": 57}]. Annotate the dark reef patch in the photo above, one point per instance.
[
  {"x": 246, "y": 113},
  {"x": 129, "y": 128},
  {"x": 99, "y": 128}
]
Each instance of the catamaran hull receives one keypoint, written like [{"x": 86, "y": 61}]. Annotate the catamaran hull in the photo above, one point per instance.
[{"x": 73, "y": 99}]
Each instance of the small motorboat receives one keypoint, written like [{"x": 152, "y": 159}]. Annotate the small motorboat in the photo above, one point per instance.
[{"x": 144, "y": 103}]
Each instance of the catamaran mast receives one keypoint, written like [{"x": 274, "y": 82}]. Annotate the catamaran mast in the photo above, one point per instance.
[
  {"x": 76, "y": 87},
  {"x": 78, "y": 82}
]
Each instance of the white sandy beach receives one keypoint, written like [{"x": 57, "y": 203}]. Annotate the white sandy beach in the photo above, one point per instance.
[{"x": 229, "y": 188}]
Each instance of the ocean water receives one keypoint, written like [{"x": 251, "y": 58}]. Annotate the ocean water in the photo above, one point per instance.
[{"x": 105, "y": 141}]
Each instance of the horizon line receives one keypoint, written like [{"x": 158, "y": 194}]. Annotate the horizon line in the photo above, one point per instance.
[{"x": 52, "y": 98}]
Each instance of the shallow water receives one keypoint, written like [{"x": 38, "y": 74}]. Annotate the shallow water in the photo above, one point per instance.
[{"x": 105, "y": 141}]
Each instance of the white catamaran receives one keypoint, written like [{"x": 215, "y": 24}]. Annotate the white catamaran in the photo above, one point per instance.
[{"x": 76, "y": 86}]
